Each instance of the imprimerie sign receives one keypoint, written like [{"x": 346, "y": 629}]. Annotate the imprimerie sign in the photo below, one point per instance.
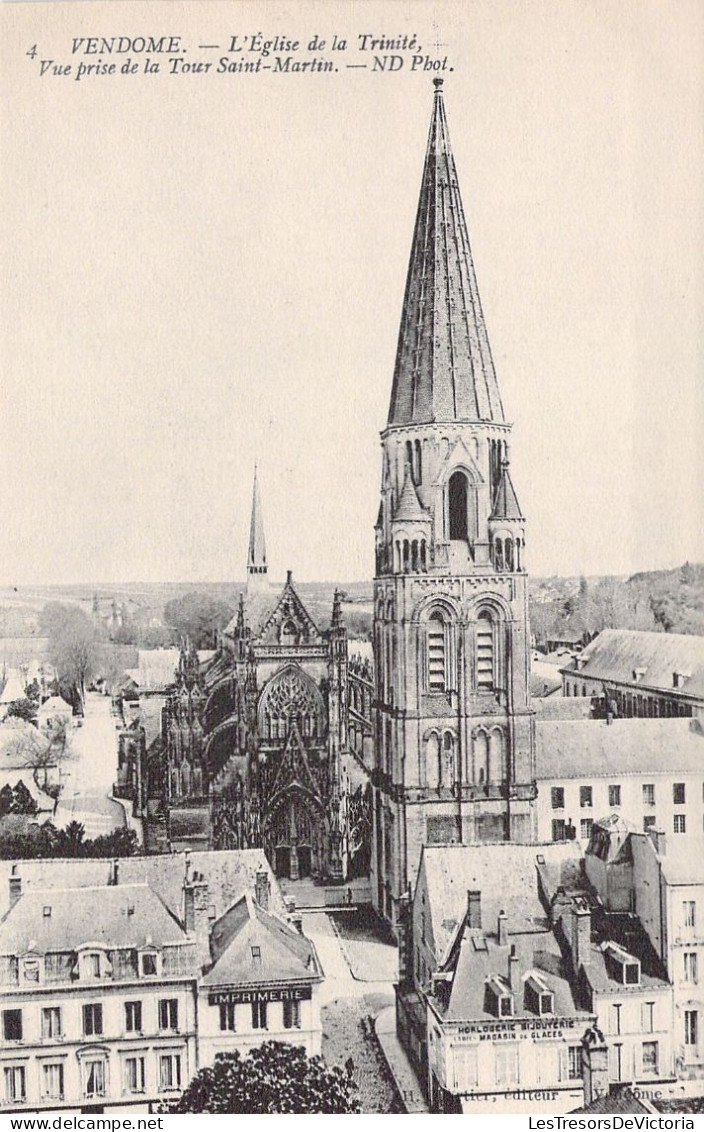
[{"x": 261, "y": 994}]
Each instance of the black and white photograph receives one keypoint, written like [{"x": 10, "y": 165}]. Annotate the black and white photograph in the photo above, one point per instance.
[{"x": 352, "y": 560}]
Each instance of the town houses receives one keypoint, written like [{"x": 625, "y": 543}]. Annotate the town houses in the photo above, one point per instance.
[{"x": 119, "y": 980}]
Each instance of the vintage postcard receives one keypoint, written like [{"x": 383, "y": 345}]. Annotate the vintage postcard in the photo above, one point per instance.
[{"x": 352, "y": 570}]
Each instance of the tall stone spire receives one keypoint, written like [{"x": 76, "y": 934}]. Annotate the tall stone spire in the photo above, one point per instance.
[
  {"x": 444, "y": 369},
  {"x": 256, "y": 559}
]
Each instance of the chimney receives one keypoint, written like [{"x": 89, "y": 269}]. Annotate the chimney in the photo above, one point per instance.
[
  {"x": 115, "y": 871},
  {"x": 262, "y": 889},
  {"x": 196, "y": 914},
  {"x": 297, "y": 923},
  {"x": 595, "y": 1065},
  {"x": 513, "y": 970},
  {"x": 657, "y": 836},
  {"x": 474, "y": 909},
  {"x": 15, "y": 887},
  {"x": 289, "y": 577},
  {"x": 581, "y": 933},
  {"x": 503, "y": 929}
]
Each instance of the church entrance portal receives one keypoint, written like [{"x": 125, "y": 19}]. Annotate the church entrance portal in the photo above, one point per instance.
[{"x": 291, "y": 837}]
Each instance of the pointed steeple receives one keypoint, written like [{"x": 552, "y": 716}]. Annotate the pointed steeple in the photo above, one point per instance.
[
  {"x": 506, "y": 505},
  {"x": 256, "y": 559},
  {"x": 409, "y": 508},
  {"x": 444, "y": 369}
]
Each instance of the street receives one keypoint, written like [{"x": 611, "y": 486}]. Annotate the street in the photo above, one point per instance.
[
  {"x": 89, "y": 774},
  {"x": 349, "y": 1005}
]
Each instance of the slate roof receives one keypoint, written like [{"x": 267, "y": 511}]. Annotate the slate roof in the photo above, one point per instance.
[
  {"x": 444, "y": 369},
  {"x": 450, "y": 871},
  {"x": 623, "y": 1101},
  {"x": 539, "y": 954},
  {"x": 683, "y": 859},
  {"x": 616, "y": 653},
  {"x": 627, "y": 931},
  {"x": 284, "y": 954},
  {"x": 561, "y": 707},
  {"x": 79, "y": 916},
  {"x": 229, "y": 873},
  {"x": 55, "y": 706},
  {"x": 156, "y": 668},
  {"x": 13, "y": 688},
  {"x": 594, "y": 748}
]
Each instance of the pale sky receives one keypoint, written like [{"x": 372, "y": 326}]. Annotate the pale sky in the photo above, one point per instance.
[{"x": 201, "y": 270}]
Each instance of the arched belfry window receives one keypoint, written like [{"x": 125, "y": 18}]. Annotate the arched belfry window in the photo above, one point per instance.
[
  {"x": 457, "y": 507},
  {"x": 437, "y": 653},
  {"x": 485, "y": 651}
]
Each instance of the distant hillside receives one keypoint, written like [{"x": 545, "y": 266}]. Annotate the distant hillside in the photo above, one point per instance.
[
  {"x": 667, "y": 600},
  {"x": 670, "y": 601}
]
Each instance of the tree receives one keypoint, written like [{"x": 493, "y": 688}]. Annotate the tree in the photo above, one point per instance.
[
  {"x": 72, "y": 645},
  {"x": 22, "y": 709},
  {"x": 197, "y": 616},
  {"x": 7, "y": 799},
  {"x": 273, "y": 1077},
  {"x": 22, "y": 800}
]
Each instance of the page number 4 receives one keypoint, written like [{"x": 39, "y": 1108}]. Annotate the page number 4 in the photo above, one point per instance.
[{"x": 32, "y": 51}]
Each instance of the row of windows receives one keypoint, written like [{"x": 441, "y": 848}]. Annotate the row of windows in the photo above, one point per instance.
[
  {"x": 563, "y": 1065},
  {"x": 562, "y": 830},
  {"x": 92, "y": 1020},
  {"x": 634, "y": 706},
  {"x": 94, "y": 1078},
  {"x": 260, "y": 1016},
  {"x": 586, "y": 795}
]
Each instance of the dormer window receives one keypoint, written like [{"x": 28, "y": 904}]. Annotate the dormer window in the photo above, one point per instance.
[
  {"x": 256, "y": 956},
  {"x": 92, "y": 965},
  {"x": 622, "y": 966},
  {"x": 149, "y": 963},
  {"x": 498, "y": 999},
  {"x": 538, "y": 997}
]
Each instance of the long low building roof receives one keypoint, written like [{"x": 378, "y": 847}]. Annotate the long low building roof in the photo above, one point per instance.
[
  {"x": 616, "y": 654},
  {"x": 595, "y": 748}
]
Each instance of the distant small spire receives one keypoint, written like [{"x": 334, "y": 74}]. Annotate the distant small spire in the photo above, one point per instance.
[{"x": 256, "y": 559}]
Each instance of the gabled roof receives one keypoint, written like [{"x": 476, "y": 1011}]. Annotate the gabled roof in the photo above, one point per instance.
[
  {"x": 617, "y": 653},
  {"x": 506, "y": 505},
  {"x": 573, "y": 748},
  {"x": 444, "y": 368},
  {"x": 118, "y": 916},
  {"x": 284, "y": 955},
  {"x": 538, "y": 956},
  {"x": 621, "y": 1101},
  {"x": 288, "y": 607},
  {"x": 54, "y": 706},
  {"x": 13, "y": 689},
  {"x": 451, "y": 871},
  {"x": 409, "y": 508},
  {"x": 228, "y": 874}
]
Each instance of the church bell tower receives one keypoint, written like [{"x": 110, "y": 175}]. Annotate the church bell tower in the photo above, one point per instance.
[{"x": 454, "y": 733}]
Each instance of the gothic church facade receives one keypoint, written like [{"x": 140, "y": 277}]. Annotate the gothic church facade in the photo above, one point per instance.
[
  {"x": 454, "y": 731},
  {"x": 255, "y": 742}
]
